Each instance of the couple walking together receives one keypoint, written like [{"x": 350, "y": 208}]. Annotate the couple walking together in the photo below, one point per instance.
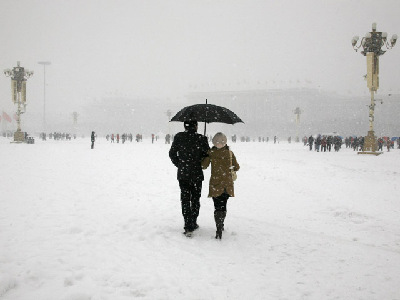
[{"x": 190, "y": 153}]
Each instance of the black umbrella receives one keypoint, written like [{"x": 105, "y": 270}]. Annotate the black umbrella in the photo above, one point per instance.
[{"x": 207, "y": 113}]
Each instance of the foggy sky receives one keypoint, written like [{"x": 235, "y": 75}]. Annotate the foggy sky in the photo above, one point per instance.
[{"x": 168, "y": 48}]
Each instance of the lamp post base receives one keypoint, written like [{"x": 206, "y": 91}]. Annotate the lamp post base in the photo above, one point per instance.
[
  {"x": 370, "y": 144},
  {"x": 370, "y": 152},
  {"x": 19, "y": 137}
]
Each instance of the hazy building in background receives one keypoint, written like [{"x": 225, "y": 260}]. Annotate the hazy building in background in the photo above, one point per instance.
[{"x": 266, "y": 113}]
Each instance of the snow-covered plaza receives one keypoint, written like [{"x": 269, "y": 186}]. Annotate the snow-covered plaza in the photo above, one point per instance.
[{"x": 80, "y": 224}]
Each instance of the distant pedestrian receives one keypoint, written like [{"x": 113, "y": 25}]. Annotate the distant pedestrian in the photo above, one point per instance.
[
  {"x": 93, "y": 138},
  {"x": 168, "y": 138},
  {"x": 380, "y": 144},
  {"x": 323, "y": 144},
  {"x": 337, "y": 141},
  {"x": 329, "y": 141},
  {"x": 361, "y": 143},
  {"x": 311, "y": 141},
  {"x": 318, "y": 142}
]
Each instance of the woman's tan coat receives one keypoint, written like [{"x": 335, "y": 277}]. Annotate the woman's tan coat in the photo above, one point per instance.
[{"x": 221, "y": 179}]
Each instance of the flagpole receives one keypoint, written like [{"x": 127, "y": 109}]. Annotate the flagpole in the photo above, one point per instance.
[
  {"x": 3, "y": 127},
  {"x": 205, "y": 122},
  {"x": 44, "y": 63}
]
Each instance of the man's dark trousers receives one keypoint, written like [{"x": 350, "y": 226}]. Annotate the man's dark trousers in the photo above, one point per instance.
[{"x": 190, "y": 200}]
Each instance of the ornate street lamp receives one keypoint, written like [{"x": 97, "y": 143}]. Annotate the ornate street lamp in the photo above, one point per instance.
[
  {"x": 372, "y": 45},
  {"x": 19, "y": 75}
]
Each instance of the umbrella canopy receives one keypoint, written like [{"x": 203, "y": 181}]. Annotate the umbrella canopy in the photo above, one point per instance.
[{"x": 208, "y": 113}]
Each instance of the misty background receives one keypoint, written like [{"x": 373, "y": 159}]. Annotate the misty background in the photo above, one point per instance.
[{"x": 121, "y": 65}]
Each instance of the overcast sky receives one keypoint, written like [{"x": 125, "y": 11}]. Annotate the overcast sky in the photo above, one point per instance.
[{"x": 168, "y": 48}]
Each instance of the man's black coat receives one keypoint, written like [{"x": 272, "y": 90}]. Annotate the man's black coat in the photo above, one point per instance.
[{"x": 186, "y": 153}]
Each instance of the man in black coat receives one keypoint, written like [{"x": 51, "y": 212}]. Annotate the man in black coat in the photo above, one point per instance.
[{"x": 187, "y": 151}]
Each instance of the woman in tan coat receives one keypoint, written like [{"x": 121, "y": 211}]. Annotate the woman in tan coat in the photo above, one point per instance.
[{"x": 221, "y": 183}]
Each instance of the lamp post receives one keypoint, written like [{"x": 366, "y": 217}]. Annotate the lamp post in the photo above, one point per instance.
[
  {"x": 297, "y": 112},
  {"x": 18, "y": 75},
  {"x": 372, "y": 45},
  {"x": 44, "y": 63},
  {"x": 169, "y": 114},
  {"x": 75, "y": 122}
]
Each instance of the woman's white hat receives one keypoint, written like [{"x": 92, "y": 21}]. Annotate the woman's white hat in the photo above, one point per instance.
[{"x": 219, "y": 139}]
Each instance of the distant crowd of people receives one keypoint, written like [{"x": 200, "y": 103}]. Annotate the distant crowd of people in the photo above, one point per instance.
[
  {"x": 388, "y": 143},
  {"x": 357, "y": 143},
  {"x": 57, "y": 136},
  {"x": 123, "y": 137},
  {"x": 323, "y": 142},
  {"x": 320, "y": 143}
]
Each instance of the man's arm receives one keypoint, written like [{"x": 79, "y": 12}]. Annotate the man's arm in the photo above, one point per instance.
[
  {"x": 205, "y": 162},
  {"x": 173, "y": 152},
  {"x": 205, "y": 147}
]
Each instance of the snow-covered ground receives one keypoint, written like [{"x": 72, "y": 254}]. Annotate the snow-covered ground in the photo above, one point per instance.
[{"x": 79, "y": 224}]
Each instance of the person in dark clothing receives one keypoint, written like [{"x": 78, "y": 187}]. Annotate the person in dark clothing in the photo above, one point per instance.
[
  {"x": 318, "y": 142},
  {"x": 93, "y": 138},
  {"x": 323, "y": 144},
  {"x": 329, "y": 142},
  {"x": 187, "y": 151},
  {"x": 380, "y": 144},
  {"x": 311, "y": 141}
]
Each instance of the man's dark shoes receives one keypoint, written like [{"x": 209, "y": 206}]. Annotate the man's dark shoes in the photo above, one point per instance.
[
  {"x": 189, "y": 231},
  {"x": 188, "y": 234}
]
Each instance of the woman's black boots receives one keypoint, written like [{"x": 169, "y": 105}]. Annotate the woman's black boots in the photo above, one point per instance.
[{"x": 219, "y": 217}]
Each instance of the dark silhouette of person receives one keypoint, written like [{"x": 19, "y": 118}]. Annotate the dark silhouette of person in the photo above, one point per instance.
[
  {"x": 187, "y": 151},
  {"x": 93, "y": 138}
]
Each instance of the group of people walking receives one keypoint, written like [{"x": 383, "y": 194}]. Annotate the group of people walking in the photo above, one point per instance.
[
  {"x": 388, "y": 143},
  {"x": 124, "y": 137},
  {"x": 324, "y": 143},
  {"x": 191, "y": 153},
  {"x": 357, "y": 143}
]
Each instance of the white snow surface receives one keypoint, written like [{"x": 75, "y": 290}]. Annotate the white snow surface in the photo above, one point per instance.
[{"x": 80, "y": 224}]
